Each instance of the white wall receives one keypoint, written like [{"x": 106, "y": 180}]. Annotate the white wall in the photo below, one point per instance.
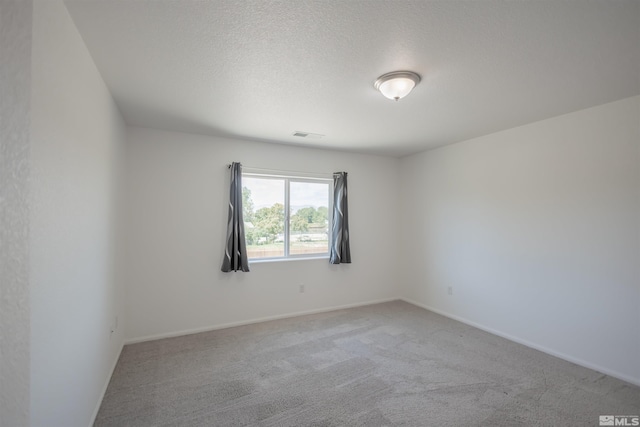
[
  {"x": 15, "y": 100},
  {"x": 77, "y": 137},
  {"x": 176, "y": 222},
  {"x": 537, "y": 229}
]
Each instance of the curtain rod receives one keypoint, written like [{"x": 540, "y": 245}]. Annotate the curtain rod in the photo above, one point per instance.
[{"x": 285, "y": 171}]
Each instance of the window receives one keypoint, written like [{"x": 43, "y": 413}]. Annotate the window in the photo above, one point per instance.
[{"x": 286, "y": 216}]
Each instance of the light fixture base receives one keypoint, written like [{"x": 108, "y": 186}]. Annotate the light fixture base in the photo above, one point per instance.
[{"x": 397, "y": 84}]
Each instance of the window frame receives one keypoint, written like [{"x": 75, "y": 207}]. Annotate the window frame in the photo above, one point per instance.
[{"x": 288, "y": 178}]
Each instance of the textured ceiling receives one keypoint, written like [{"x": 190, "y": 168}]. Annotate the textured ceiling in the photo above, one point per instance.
[{"x": 264, "y": 69}]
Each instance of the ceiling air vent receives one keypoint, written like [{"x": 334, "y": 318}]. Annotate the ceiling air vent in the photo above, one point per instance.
[{"x": 307, "y": 135}]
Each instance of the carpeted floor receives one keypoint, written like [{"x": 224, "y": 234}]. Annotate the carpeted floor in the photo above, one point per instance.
[{"x": 389, "y": 364}]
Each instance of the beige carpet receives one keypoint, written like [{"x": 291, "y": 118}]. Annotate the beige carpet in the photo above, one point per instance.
[{"x": 389, "y": 364}]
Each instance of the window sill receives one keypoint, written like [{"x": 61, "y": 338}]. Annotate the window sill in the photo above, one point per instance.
[{"x": 303, "y": 258}]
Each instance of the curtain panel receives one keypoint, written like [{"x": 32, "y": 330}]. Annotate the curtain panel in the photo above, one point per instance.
[
  {"x": 340, "y": 249},
  {"x": 235, "y": 250}
]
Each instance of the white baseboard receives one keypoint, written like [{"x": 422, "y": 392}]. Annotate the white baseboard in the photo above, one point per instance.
[
  {"x": 251, "y": 321},
  {"x": 106, "y": 385},
  {"x": 601, "y": 369}
]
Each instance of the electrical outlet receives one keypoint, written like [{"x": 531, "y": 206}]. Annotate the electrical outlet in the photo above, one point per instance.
[
  {"x": 301, "y": 289},
  {"x": 114, "y": 325},
  {"x": 450, "y": 290}
]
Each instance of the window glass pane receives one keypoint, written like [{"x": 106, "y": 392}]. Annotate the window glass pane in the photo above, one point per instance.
[
  {"x": 309, "y": 210},
  {"x": 263, "y": 214}
]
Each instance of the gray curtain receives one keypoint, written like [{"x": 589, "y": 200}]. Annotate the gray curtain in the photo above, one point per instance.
[
  {"x": 340, "y": 250},
  {"x": 235, "y": 250}
]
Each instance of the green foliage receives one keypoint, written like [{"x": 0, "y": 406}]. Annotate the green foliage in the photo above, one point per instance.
[
  {"x": 247, "y": 205},
  {"x": 312, "y": 215},
  {"x": 306, "y": 217},
  {"x": 268, "y": 223},
  {"x": 323, "y": 214},
  {"x": 299, "y": 223}
]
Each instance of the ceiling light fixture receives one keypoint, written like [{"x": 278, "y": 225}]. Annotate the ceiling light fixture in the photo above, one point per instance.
[{"x": 397, "y": 84}]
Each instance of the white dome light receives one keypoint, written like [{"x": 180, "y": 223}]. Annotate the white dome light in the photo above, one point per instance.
[{"x": 397, "y": 84}]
